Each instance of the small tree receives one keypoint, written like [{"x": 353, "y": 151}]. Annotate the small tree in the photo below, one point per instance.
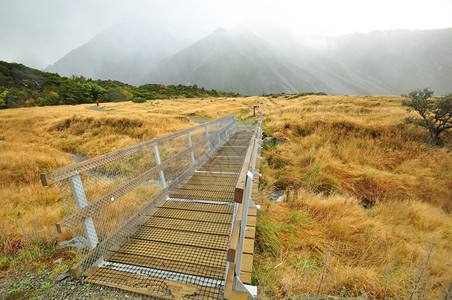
[{"x": 436, "y": 113}]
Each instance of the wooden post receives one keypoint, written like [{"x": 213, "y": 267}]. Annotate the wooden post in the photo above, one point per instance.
[{"x": 81, "y": 201}]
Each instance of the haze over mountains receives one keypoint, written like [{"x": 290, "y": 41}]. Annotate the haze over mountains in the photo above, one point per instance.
[{"x": 269, "y": 60}]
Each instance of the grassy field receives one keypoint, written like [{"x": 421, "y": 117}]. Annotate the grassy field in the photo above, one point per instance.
[{"x": 367, "y": 196}]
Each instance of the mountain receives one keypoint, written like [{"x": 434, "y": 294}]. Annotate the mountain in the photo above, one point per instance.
[
  {"x": 235, "y": 60},
  {"x": 379, "y": 62},
  {"x": 267, "y": 59},
  {"x": 123, "y": 52},
  {"x": 399, "y": 60}
]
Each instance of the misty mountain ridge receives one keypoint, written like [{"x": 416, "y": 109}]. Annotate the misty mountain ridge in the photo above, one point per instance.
[
  {"x": 262, "y": 60},
  {"x": 123, "y": 52},
  {"x": 234, "y": 60}
]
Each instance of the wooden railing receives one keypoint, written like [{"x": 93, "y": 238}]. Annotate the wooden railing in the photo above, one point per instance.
[{"x": 242, "y": 197}]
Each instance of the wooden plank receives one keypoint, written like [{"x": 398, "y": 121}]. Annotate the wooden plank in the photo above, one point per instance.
[
  {"x": 167, "y": 265},
  {"x": 208, "y": 179},
  {"x": 245, "y": 277},
  {"x": 252, "y": 211},
  {"x": 251, "y": 233},
  {"x": 224, "y": 161},
  {"x": 197, "y": 239},
  {"x": 229, "y": 282},
  {"x": 154, "y": 287},
  {"x": 241, "y": 181},
  {"x": 194, "y": 216},
  {"x": 248, "y": 246},
  {"x": 201, "y": 186},
  {"x": 194, "y": 193},
  {"x": 231, "y": 152},
  {"x": 223, "y": 209},
  {"x": 251, "y": 221},
  {"x": 189, "y": 225},
  {"x": 234, "y": 242},
  {"x": 247, "y": 263},
  {"x": 236, "y": 295},
  {"x": 217, "y": 168},
  {"x": 174, "y": 252},
  {"x": 203, "y": 195}
]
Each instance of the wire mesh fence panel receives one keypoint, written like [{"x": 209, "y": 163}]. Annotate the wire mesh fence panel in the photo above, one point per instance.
[{"x": 150, "y": 215}]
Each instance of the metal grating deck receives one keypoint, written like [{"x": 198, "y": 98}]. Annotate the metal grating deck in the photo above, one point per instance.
[{"x": 180, "y": 251}]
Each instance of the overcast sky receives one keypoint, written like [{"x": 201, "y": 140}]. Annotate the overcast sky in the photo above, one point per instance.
[{"x": 39, "y": 32}]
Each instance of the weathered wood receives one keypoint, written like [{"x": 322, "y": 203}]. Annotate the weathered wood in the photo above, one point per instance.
[
  {"x": 241, "y": 181},
  {"x": 197, "y": 239},
  {"x": 247, "y": 263},
  {"x": 252, "y": 211},
  {"x": 248, "y": 246},
  {"x": 189, "y": 225},
  {"x": 167, "y": 265},
  {"x": 76, "y": 270},
  {"x": 229, "y": 282},
  {"x": 251, "y": 233},
  {"x": 175, "y": 252},
  {"x": 245, "y": 277},
  {"x": 223, "y": 209},
  {"x": 203, "y": 195},
  {"x": 188, "y": 238},
  {"x": 144, "y": 284},
  {"x": 194, "y": 216},
  {"x": 232, "y": 251},
  {"x": 251, "y": 221}
]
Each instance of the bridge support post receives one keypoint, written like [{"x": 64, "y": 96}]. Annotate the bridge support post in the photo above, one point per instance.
[
  {"x": 207, "y": 138},
  {"x": 158, "y": 162},
  {"x": 192, "y": 156},
  {"x": 218, "y": 134},
  {"x": 80, "y": 199}
]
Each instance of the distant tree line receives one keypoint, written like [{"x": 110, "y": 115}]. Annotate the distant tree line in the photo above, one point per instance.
[{"x": 23, "y": 86}]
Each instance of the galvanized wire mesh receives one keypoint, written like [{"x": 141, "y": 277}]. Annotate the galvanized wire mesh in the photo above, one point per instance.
[{"x": 148, "y": 219}]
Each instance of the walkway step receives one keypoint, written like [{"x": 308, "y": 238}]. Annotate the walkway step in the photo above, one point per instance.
[{"x": 180, "y": 251}]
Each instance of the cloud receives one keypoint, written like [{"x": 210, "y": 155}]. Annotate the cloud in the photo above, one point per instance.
[{"x": 38, "y": 33}]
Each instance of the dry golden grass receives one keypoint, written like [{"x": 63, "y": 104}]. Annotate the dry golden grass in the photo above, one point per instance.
[
  {"x": 343, "y": 154},
  {"x": 356, "y": 146},
  {"x": 37, "y": 140},
  {"x": 376, "y": 252},
  {"x": 340, "y": 153}
]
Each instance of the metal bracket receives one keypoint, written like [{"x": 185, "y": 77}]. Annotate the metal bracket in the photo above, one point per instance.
[{"x": 240, "y": 287}]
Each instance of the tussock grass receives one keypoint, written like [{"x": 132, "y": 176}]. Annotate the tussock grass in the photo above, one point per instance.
[
  {"x": 360, "y": 182},
  {"x": 364, "y": 245},
  {"x": 333, "y": 147},
  {"x": 368, "y": 187},
  {"x": 37, "y": 140}
]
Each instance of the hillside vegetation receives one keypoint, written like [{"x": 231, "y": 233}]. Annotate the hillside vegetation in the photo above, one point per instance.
[
  {"x": 22, "y": 86},
  {"x": 366, "y": 193}
]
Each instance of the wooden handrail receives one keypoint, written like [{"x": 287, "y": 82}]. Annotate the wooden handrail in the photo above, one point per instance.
[
  {"x": 238, "y": 197},
  {"x": 241, "y": 181},
  {"x": 83, "y": 166}
]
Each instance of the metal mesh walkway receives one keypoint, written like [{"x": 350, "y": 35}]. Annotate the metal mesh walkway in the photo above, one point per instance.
[{"x": 180, "y": 251}]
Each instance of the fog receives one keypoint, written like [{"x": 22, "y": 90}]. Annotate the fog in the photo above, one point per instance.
[{"x": 37, "y": 33}]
